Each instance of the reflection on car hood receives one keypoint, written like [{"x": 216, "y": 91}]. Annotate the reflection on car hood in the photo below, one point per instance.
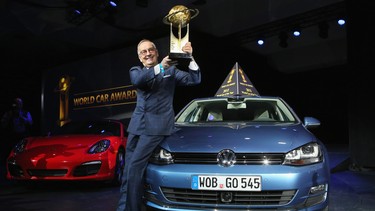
[
  {"x": 66, "y": 140},
  {"x": 239, "y": 138}
]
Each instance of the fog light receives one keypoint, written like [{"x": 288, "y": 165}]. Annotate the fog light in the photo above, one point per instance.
[
  {"x": 311, "y": 201},
  {"x": 317, "y": 189}
]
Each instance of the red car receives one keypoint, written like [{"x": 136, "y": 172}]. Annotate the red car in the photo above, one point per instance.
[{"x": 79, "y": 150}]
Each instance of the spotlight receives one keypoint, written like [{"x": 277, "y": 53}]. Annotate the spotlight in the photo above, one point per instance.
[
  {"x": 260, "y": 42},
  {"x": 283, "y": 37},
  {"x": 296, "y": 32},
  {"x": 77, "y": 12},
  {"x": 80, "y": 11},
  {"x": 76, "y": 15},
  {"x": 341, "y": 21},
  {"x": 113, "y": 4},
  {"x": 323, "y": 30}
]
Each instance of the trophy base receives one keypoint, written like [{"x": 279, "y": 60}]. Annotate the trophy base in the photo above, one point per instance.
[{"x": 183, "y": 59}]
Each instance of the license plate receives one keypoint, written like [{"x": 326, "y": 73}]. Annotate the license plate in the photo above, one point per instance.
[{"x": 238, "y": 183}]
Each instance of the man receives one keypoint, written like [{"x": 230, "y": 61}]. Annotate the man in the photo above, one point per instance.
[
  {"x": 153, "y": 117},
  {"x": 17, "y": 121},
  {"x": 16, "y": 124}
]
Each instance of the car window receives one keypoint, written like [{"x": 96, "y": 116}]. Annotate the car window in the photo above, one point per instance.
[{"x": 224, "y": 110}]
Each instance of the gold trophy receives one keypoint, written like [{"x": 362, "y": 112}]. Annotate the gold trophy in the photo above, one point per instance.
[{"x": 178, "y": 18}]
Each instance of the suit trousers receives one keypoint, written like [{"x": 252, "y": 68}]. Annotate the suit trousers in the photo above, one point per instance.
[{"x": 138, "y": 151}]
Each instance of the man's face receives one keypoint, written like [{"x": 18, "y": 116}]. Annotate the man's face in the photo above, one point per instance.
[
  {"x": 148, "y": 54},
  {"x": 18, "y": 103}
]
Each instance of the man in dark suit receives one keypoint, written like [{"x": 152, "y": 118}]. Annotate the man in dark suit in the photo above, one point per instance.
[
  {"x": 16, "y": 124},
  {"x": 153, "y": 117}
]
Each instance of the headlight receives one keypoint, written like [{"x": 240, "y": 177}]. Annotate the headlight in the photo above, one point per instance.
[
  {"x": 20, "y": 146},
  {"x": 99, "y": 146},
  {"x": 305, "y": 155},
  {"x": 161, "y": 157}
]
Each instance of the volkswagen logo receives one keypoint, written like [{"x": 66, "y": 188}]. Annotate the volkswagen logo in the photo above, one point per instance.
[{"x": 226, "y": 158}]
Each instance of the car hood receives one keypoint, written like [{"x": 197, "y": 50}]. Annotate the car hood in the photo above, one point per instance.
[
  {"x": 239, "y": 138},
  {"x": 81, "y": 141}
]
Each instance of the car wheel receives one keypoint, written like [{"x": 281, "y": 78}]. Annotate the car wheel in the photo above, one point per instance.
[{"x": 120, "y": 164}]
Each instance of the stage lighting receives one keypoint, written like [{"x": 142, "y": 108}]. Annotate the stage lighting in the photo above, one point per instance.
[
  {"x": 296, "y": 32},
  {"x": 80, "y": 11},
  {"x": 341, "y": 21},
  {"x": 323, "y": 30},
  {"x": 283, "y": 37},
  {"x": 113, "y": 3},
  {"x": 260, "y": 42}
]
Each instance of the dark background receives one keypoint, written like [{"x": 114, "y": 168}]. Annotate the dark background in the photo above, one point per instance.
[{"x": 336, "y": 89}]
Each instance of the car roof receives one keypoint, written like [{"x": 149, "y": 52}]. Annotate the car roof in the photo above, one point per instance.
[{"x": 238, "y": 98}]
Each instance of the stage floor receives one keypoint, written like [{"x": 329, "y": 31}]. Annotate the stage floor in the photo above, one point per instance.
[{"x": 350, "y": 189}]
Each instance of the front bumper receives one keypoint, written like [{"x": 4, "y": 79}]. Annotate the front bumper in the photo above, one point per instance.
[{"x": 283, "y": 188}]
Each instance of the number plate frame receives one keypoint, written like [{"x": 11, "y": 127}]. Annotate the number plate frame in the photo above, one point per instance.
[{"x": 226, "y": 183}]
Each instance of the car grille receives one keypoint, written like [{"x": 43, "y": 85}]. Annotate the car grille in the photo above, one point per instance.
[
  {"x": 86, "y": 170},
  {"x": 241, "y": 158},
  {"x": 239, "y": 197},
  {"x": 47, "y": 173}
]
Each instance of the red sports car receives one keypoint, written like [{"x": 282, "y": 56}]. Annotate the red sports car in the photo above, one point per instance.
[{"x": 79, "y": 150}]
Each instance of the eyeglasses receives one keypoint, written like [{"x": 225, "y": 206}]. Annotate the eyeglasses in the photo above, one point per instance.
[{"x": 144, "y": 52}]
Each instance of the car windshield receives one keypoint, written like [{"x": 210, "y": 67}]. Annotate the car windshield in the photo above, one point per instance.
[
  {"x": 226, "y": 110},
  {"x": 89, "y": 127}
]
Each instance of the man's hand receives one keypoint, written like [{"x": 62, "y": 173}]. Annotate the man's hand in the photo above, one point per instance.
[
  {"x": 167, "y": 62},
  {"x": 187, "y": 48}
]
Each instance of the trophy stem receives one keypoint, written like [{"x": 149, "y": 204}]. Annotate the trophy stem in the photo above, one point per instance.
[{"x": 179, "y": 35}]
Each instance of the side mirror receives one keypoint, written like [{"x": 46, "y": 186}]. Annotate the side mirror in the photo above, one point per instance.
[{"x": 311, "y": 122}]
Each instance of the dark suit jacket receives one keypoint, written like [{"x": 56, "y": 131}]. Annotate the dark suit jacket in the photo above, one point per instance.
[{"x": 154, "y": 114}]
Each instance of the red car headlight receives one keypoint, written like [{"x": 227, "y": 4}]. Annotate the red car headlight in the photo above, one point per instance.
[
  {"x": 100, "y": 146},
  {"x": 20, "y": 146}
]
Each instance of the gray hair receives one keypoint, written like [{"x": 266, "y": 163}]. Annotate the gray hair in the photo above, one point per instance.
[{"x": 142, "y": 41}]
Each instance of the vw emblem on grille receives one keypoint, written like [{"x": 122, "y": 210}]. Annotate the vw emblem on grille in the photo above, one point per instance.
[
  {"x": 226, "y": 197},
  {"x": 226, "y": 158}
]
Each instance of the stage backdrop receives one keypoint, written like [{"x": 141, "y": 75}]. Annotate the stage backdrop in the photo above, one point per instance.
[{"x": 93, "y": 88}]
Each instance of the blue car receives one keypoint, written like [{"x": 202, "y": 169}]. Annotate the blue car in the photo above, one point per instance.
[{"x": 245, "y": 153}]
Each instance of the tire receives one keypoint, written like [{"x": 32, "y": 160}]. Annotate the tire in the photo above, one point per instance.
[{"x": 119, "y": 169}]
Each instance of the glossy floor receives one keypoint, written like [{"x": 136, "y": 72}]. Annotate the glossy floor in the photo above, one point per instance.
[{"x": 351, "y": 189}]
